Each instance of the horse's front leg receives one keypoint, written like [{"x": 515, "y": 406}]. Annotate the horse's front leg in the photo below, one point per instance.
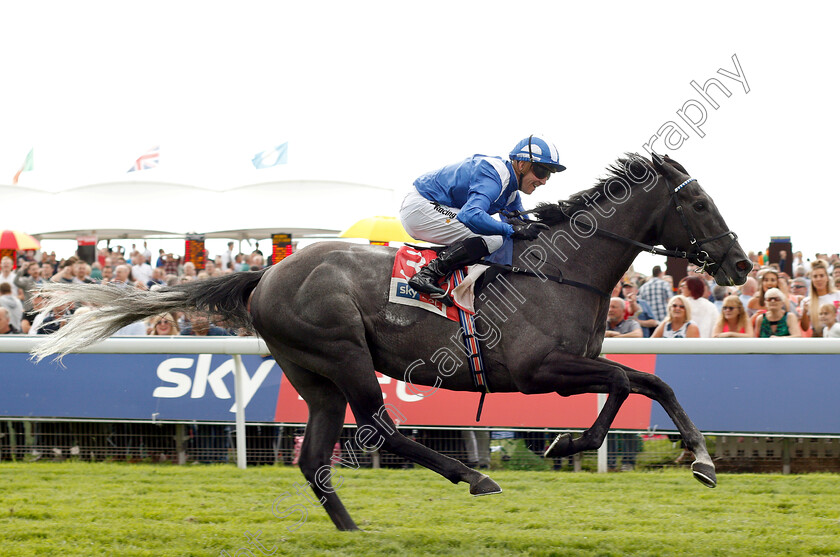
[
  {"x": 570, "y": 375},
  {"x": 656, "y": 389}
]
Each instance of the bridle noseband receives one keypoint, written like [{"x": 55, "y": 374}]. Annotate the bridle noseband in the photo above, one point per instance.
[{"x": 696, "y": 254}]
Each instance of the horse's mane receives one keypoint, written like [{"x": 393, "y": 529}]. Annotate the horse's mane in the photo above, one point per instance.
[{"x": 562, "y": 211}]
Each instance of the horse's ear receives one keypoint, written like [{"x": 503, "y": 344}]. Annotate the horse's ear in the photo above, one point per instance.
[
  {"x": 676, "y": 165},
  {"x": 658, "y": 162}
]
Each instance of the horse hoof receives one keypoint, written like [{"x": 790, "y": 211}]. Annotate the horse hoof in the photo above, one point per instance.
[
  {"x": 561, "y": 446},
  {"x": 484, "y": 486},
  {"x": 704, "y": 473}
]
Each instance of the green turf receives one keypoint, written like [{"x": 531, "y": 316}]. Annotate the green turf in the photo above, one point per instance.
[{"x": 120, "y": 509}]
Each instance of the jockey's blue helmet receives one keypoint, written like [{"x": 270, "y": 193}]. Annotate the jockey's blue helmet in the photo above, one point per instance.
[{"x": 537, "y": 149}]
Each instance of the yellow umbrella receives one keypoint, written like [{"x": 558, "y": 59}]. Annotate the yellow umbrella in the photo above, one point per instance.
[
  {"x": 17, "y": 241},
  {"x": 378, "y": 229}
]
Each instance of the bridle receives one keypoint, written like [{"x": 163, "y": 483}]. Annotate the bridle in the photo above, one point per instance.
[{"x": 694, "y": 254}]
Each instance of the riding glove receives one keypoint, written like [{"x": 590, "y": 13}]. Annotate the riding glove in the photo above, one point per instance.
[{"x": 528, "y": 231}]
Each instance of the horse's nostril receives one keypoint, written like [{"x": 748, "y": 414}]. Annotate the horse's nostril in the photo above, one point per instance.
[{"x": 744, "y": 265}]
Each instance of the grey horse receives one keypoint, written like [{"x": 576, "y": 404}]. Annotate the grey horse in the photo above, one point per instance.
[{"x": 325, "y": 315}]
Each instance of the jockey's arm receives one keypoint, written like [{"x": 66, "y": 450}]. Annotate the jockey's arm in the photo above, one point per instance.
[
  {"x": 485, "y": 187},
  {"x": 474, "y": 214}
]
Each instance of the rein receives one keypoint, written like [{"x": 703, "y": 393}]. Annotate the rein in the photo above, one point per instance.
[{"x": 695, "y": 254}]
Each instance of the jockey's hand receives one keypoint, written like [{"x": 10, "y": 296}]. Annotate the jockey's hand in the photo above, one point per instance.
[{"x": 528, "y": 231}]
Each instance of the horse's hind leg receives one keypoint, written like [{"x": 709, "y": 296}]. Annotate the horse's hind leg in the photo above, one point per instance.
[
  {"x": 656, "y": 389},
  {"x": 365, "y": 397},
  {"x": 327, "y": 407}
]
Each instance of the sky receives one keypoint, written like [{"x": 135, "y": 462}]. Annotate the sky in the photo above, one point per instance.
[{"x": 381, "y": 92}]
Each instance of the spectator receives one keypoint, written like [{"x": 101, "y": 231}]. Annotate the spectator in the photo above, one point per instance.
[
  {"x": 678, "y": 324},
  {"x": 161, "y": 260},
  {"x": 733, "y": 322},
  {"x": 767, "y": 279},
  {"x": 227, "y": 257},
  {"x": 719, "y": 293},
  {"x": 82, "y": 273},
  {"x": 189, "y": 269},
  {"x": 122, "y": 275},
  {"x": 617, "y": 326},
  {"x": 200, "y": 326},
  {"x": 477, "y": 445},
  {"x": 748, "y": 291},
  {"x": 627, "y": 445},
  {"x": 35, "y": 318},
  {"x": 147, "y": 253},
  {"x": 55, "y": 319},
  {"x": 822, "y": 292},
  {"x": 171, "y": 264},
  {"x": 777, "y": 321},
  {"x": 639, "y": 310},
  {"x": 67, "y": 271},
  {"x": 12, "y": 304},
  {"x": 107, "y": 274},
  {"x": 798, "y": 262},
  {"x": 656, "y": 292},
  {"x": 703, "y": 312},
  {"x": 7, "y": 275},
  {"x": 798, "y": 290},
  {"x": 240, "y": 263},
  {"x": 27, "y": 279},
  {"x": 6, "y": 327},
  {"x": 47, "y": 271},
  {"x": 158, "y": 278},
  {"x": 141, "y": 272},
  {"x": 783, "y": 261},
  {"x": 828, "y": 319},
  {"x": 164, "y": 324},
  {"x": 96, "y": 272}
]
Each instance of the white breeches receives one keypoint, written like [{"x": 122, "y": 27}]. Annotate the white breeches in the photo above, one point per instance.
[{"x": 424, "y": 220}]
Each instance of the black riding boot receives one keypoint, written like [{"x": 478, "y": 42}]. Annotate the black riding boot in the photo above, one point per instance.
[{"x": 457, "y": 255}]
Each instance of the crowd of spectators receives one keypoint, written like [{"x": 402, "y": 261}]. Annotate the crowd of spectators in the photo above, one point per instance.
[
  {"x": 120, "y": 268},
  {"x": 652, "y": 306},
  {"x": 770, "y": 304}
]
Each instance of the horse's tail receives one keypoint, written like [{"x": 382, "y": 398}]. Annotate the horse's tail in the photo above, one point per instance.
[{"x": 114, "y": 308}]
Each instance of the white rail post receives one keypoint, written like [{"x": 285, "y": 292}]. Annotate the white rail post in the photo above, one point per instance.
[
  {"x": 238, "y": 371},
  {"x": 602, "y": 450}
]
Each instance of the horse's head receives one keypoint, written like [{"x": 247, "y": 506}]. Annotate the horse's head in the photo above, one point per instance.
[{"x": 692, "y": 223}]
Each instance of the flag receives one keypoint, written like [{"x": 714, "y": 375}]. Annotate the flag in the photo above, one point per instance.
[
  {"x": 28, "y": 165},
  {"x": 147, "y": 160},
  {"x": 272, "y": 157}
]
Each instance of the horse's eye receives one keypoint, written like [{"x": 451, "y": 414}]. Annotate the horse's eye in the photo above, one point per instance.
[{"x": 699, "y": 206}]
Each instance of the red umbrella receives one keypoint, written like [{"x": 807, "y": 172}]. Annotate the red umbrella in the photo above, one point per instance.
[{"x": 17, "y": 241}]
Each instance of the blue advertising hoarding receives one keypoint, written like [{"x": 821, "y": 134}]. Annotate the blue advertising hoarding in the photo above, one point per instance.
[
  {"x": 137, "y": 386},
  {"x": 721, "y": 393}
]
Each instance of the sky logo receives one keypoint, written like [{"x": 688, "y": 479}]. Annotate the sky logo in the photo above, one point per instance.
[
  {"x": 405, "y": 291},
  {"x": 175, "y": 372}
]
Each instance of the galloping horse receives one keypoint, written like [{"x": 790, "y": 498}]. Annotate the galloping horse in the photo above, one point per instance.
[{"x": 325, "y": 316}]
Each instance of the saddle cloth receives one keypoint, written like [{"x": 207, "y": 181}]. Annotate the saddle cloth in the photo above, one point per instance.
[{"x": 408, "y": 261}]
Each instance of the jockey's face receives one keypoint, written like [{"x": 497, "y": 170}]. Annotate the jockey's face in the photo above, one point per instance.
[{"x": 529, "y": 182}]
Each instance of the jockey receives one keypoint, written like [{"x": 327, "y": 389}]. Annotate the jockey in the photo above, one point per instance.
[{"x": 452, "y": 206}]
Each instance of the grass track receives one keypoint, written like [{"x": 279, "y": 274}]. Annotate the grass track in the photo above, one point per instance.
[{"x": 86, "y": 509}]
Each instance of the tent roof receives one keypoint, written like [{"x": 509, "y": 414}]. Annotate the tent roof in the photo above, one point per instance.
[{"x": 137, "y": 209}]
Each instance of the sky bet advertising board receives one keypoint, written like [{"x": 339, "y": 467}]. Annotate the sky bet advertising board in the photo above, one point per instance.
[{"x": 738, "y": 393}]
